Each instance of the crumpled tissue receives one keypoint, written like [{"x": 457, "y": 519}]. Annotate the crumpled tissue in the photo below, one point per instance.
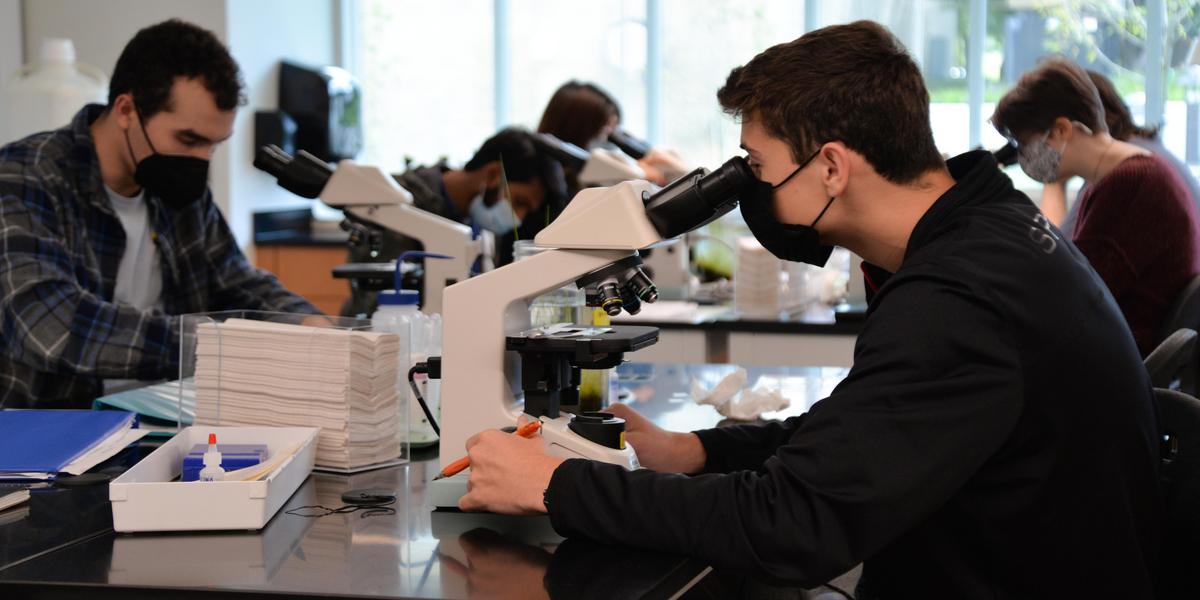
[{"x": 748, "y": 406}]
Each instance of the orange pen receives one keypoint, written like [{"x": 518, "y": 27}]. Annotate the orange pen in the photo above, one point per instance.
[{"x": 526, "y": 431}]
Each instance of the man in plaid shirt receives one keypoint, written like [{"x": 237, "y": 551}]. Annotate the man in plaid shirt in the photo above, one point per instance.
[{"x": 108, "y": 231}]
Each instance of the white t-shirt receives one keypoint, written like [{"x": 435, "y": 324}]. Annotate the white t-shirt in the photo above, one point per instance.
[{"x": 139, "y": 276}]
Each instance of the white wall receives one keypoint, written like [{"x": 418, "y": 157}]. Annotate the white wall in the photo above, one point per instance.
[
  {"x": 100, "y": 31},
  {"x": 259, "y": 34},
  {"x": 10, "y": 48}
]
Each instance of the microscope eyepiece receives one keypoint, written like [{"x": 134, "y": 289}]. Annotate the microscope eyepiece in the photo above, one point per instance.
[
  {"x": 566, "y": 153},
  {"x": 698, "y": 198},
  {"x": 636, "y": 149},
  {"x": 304, "y": 174}
]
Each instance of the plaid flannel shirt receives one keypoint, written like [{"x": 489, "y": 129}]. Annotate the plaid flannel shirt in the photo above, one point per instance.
[{"x": 60, "y": 247}]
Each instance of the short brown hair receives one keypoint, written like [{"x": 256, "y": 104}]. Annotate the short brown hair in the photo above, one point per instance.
[
  {"x": 578, "y": 112},
  {"x": 1116, "y": 112},
  {"x": 853, "y": 83},
  {"x": 1056, "y": 88}
]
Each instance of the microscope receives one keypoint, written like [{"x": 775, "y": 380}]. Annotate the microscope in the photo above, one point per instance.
[
  {"x": 637, "y": 149},
  {"x": 668, "y": 263},
  {"x": 600, "y": 167},
  {"x": 368, "y": 195},
  {"x": 495, "y": 367}
]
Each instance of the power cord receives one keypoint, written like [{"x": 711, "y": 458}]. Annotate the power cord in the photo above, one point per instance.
[
  {"x": 433, "y": 368},
  {"x": 315, "y": 511}
]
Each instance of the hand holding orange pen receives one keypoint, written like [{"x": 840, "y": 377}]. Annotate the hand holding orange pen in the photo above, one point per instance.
[{"x": 526, "y": 431}]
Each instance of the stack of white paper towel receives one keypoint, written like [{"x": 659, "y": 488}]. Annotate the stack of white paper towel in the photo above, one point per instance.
[{"x": 343, "y": 381}]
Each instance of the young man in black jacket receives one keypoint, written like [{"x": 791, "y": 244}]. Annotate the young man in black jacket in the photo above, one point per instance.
[{"x": 996, "y": 435}]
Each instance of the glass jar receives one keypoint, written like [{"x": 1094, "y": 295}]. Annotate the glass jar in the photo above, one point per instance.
[{"x": 564, "y": 305}]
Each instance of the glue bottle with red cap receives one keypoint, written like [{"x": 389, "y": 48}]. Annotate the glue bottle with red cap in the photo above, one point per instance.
[{"x": 212, "y": 470}]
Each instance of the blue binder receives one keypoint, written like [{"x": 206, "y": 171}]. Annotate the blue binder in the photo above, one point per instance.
[{"x": 45, "y": 441}]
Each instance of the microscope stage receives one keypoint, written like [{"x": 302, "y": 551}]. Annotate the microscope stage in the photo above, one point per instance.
[{"x": 583, "y": 340}]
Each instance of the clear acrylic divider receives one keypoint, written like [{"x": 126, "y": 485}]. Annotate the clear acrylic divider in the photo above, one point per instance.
[{"x": 210, "y": 327}]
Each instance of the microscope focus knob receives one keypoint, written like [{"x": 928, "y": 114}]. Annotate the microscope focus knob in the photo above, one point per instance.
[{"x": 600, "y": 427}]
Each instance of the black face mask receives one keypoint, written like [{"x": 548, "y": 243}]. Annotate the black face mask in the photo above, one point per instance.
[
  {"x": 177, "y": 179},
  {"x": 797, "y": 243}
]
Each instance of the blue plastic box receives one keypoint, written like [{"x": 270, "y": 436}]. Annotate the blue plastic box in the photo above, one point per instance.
[{"x": 233, "y": 457}]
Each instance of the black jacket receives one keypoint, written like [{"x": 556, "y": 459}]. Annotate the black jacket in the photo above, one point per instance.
[{"x": 995, "y": 438}]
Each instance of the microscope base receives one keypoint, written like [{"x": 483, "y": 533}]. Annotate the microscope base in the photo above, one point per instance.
[
  {"x": 564, "y": 443},
  {"x": 560, "y": 442},
  {"x": 444, "y": 493}
]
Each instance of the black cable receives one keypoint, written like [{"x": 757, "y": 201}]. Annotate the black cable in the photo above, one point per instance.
[
  {"x": 422, "y": 368},
  {"x": 369, "y": 510}
]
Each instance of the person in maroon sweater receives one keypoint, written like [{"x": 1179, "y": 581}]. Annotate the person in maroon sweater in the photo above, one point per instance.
[{"x": 1137, "y": 221}]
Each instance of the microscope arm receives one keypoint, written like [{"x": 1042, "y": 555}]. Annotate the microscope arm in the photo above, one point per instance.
[
  {"x": 480, "y": 312},
  {"x": 366, "y": 193},
  {"x": 436, "y": 234},
  {"x": 600, "y": 227}
]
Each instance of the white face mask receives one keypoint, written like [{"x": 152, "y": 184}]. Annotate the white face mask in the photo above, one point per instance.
[{"x": 498, "y": 218}]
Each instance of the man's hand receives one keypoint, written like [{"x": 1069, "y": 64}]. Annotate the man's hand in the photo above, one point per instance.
[
  {"x": 509, "y": 474},
  {"x": 657, "y": 448}
]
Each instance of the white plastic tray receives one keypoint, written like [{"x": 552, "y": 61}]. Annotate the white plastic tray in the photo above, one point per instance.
[{"x": 146, "y": 497}]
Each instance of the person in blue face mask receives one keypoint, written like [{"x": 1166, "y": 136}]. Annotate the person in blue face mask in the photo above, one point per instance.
[
  {"x": 110, "y": 229},
  {"x": 509, "y": 187}
]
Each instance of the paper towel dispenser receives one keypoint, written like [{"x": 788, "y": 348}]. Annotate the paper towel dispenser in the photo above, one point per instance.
[{"x": 326, "y": 104}]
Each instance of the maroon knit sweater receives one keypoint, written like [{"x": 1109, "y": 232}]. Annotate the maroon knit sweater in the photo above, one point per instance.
[{"x": 1138, "y": 228}]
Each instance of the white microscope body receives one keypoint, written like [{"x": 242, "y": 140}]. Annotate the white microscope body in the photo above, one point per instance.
[
  {"x": 594, "y": 242},
  {"x": 480, "y": 380},
  {"x": 368, "y": 194},
  {"x": 670, "y": 263},
  {"x": 605, "y": 168}
]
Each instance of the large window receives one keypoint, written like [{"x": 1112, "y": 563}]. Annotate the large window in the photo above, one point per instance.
[
  {"x": 935, "y": 33},
  {"x": 440, "y": 77},
  {"x": 553, "y": 42},
  {"x": 1113, "y": 37},
  {"x": 427, "y": 75},
  {"x": 701, "y": 43}
]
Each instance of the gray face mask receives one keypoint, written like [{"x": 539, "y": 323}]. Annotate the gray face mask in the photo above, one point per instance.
[{"x": 1039, "y": 160}]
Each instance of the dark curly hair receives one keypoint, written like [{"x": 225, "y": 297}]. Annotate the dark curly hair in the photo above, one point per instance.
[
  {"x": 854, "y": 83},
  {"x": 160, "y": 53},
  {"x": 523, "y": 159}
]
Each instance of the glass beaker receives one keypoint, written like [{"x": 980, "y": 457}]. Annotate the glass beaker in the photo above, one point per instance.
[{"x": 564, "y": 305}]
